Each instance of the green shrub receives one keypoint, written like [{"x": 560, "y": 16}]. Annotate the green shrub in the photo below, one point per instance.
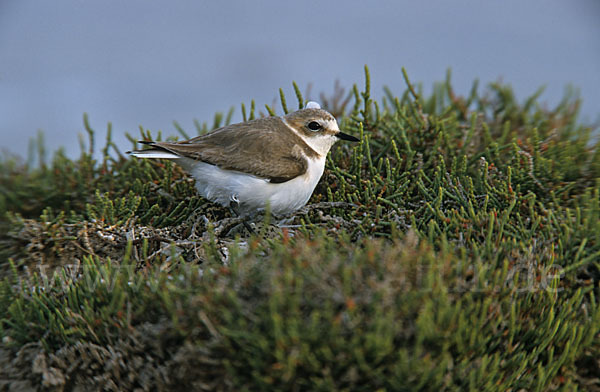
[{"x": 457, "y": 247}]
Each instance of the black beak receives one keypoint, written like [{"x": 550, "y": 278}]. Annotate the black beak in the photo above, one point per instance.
[{"x": 345, "y": 136}]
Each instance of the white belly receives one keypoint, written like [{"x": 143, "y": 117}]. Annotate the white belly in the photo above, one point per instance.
[{"x": 254, "y": 193}]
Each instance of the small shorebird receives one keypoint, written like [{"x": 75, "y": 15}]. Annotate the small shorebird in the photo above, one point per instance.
[{"x": 273, "y": 160}]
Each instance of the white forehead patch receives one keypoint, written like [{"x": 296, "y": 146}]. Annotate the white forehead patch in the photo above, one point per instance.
[
  {"x": 332, "y": 124},
  {"x": 312, "y": 105}
]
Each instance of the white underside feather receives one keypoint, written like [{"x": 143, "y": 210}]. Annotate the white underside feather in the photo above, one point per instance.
[{"x": 253, "y": 193}]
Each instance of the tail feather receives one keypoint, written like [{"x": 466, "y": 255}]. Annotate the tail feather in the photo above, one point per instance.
[{"x": 155, "y": 152}]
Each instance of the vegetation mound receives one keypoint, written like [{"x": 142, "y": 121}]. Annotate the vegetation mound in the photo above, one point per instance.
[{"x": 456, "y": 247}]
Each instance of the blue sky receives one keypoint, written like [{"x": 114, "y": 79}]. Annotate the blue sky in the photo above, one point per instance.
[{"x": 142, "y": 62}]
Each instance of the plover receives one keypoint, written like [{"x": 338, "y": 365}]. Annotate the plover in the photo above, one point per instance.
[{"x": 274, "y": 161}]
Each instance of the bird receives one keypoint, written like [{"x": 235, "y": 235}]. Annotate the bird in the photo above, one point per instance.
[{"x": 271, "y": 162}]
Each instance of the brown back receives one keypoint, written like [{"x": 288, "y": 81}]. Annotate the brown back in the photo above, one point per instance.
[{"x": 266, "y": 148}]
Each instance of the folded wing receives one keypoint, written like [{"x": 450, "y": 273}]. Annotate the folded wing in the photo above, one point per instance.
[{"x": 264, "y": 148}]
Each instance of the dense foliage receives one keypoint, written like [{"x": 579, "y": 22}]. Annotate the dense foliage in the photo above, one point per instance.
[{"x": 457, "y": 247}]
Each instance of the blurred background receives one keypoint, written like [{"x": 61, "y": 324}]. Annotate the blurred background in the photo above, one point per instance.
[{"x": 142, "y": 62}]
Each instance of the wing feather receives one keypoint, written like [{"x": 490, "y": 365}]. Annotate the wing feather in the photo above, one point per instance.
[{"x": 265, "y": 148}]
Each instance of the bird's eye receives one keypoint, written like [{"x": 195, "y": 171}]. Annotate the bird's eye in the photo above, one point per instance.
[{"x": 314, "y": 126}]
